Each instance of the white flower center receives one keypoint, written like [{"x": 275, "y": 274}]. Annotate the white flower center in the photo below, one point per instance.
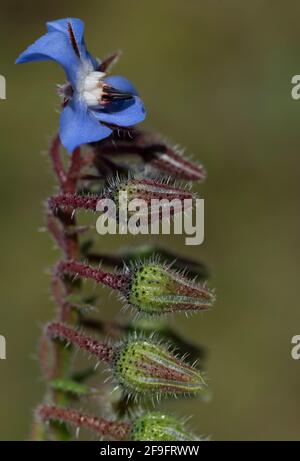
[{"x": 92, "y": 89}]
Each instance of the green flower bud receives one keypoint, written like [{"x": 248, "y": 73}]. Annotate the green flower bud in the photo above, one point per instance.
[
  {"x": 147, "y": 189},
  {"x": 144, "y": 367},
  {"x": 158, "y": 427},
  {"x": 155, "y": 289}
]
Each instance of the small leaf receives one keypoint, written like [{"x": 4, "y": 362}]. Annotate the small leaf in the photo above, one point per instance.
[{"x": 69, "y": 386}]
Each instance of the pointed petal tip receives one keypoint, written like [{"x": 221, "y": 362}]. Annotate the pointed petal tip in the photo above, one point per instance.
[{"x": 22, "y": 58}]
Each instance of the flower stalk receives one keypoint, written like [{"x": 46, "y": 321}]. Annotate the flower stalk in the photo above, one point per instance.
[
  {"x": 149, "y": 287},
  {"x": 146, "y": 189},
  {"x": 111, "y": 280},
  {"x": 100, "y": 350},
  {"x": 148, "y": 427},
  {"x": 138, "y": 365},
  {"x": 114, "y": 429},
  {"x": 155, "y": 152},
  {"x": 97, "y": 128}
]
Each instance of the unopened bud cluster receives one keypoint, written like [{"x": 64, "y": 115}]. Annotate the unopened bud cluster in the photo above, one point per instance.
[{"x": 146, "y": 360}]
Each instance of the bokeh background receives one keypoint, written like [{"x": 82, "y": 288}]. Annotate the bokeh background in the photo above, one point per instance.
[{"x": 216, "y": 78}]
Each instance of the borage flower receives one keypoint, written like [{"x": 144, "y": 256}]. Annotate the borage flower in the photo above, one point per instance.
[{"x": 92, "y": 101}]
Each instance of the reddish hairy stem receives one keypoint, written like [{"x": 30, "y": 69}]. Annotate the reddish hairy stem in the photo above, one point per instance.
[
  {"x": 68, "y": 241},
  {"x": 45, "y": 353},
  {"x": 67, "y": 179},
  {"x": 102, "y": 351},
  {"x": 61, "y": 226},
  {"x": 114, "y": 281},
  {"x": 56, "y": 231},
  {"x": 115, "y": 429},
  {"x": 68, "y": 182},
  {"x": 67, "y": 218},
  {"x": 73, "y": 171},
  {"x": 59, "y": 295},
  {"x": 88, "y": 202},
  {"x": 56, "y": 161}
]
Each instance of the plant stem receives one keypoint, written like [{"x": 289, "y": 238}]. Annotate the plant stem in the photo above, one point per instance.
[
  {"x": 114, "y": 281},
  {"x": 59, "y": 226},
  {"x": 118, "y": 430},
  {"x": 102, "y": 351}
]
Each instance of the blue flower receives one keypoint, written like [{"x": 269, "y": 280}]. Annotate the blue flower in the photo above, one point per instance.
[{"x": 90, "y": 97}]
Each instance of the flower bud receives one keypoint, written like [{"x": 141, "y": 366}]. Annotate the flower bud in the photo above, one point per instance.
[
  {"x": 151, "y": 197},
  {"x": 156, "y": 153},
  {"x": 155, "y": 290},
  {"x": 171, "y": 161},
  {"x": 158, "y": 427},
  {"x": 144, "y": 367},
  {"x": 149, "y": 287},
  {"x": 148, "y": 189}
]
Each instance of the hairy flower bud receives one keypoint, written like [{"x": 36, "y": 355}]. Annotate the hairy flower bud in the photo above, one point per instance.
[
  {"x": 159, "y": 199},
  {"x": 139, "y": 366},
  {"x": 150, "y": 287},
  {"x": 147, "y": 189},
  {"x": 144, "y": 367},
  {"x": 155, "y": 427},
  {"x": 171, "y": 161},
  {"x": 155, "y": 289},
  {"x": 156, "y": 153}
]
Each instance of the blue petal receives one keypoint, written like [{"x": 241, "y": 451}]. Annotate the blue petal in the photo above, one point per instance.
[
  {"x": 123, "y": 113},
  {"x": 121, "y": 83},
  {"x": 61, "y": 25},
  {"x": 56, "y": 45},
  {"x": 79, "y": 126}
]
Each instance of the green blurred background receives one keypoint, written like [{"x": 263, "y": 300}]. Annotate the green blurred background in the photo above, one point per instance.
[{"x": 216, "y": 78}]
